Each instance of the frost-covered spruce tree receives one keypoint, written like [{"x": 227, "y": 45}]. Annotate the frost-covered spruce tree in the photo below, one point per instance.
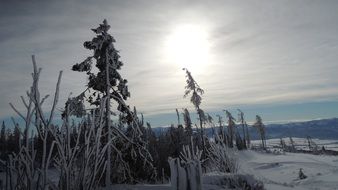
[
  {"x": 105, "y": 85},
  {"x": 261, "y": 129},
  {"x": 2, "y": 137},
  {"x": 231, "y": 128},
  {"x": 178, "y": 117},
  {"x": 242, "y": 123},
  {"x": 196, "y": 99},
  {"x": 221, "y": 136},
  {"x": 247, "y": 135},
  {"x": 187, "y": 123}
]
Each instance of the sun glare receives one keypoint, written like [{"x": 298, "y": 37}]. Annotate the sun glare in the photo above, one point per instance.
[{"x": 188, "y": 47}]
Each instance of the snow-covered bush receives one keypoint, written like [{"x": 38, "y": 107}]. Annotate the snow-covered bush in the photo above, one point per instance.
[
  {"x": 29, "y": 172},
  {"x": 222, "y": 158}
]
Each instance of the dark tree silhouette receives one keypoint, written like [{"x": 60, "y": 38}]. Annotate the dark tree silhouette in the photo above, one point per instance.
[
  {"x": 3, "y": 138},
  {"x": 242, "y": 123},
  {"x": 261, "y": 129},
  {"x": 196, "y": 99},
  {"x": 187, "y": 122},
  {"x": 231, "y": 128},
  {"x": 107, "y": 83}
]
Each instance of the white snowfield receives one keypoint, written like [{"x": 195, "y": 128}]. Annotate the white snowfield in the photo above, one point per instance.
[
  {"x": 280, "y": 172},
  {"x": 276, "y": 171}
]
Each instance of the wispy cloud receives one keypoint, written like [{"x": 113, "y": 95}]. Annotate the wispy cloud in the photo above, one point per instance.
[{"x": 262, "y": 52}]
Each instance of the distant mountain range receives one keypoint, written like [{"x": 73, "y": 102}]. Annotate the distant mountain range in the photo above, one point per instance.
[{"x": 321, "y": 129}]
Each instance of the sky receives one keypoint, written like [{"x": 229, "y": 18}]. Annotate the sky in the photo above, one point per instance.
[{"x": 277, "y": 58}]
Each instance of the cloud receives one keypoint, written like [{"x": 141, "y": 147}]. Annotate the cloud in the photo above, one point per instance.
[{"x": 262, "y": 52}]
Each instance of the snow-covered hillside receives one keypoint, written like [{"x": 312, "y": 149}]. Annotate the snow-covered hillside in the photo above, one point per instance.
[{"x": 280, "y": 172}]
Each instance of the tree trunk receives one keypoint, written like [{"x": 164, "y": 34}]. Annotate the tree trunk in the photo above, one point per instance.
[
  {"x": 202, "y": 133},
  {"x": 247, "y": 135},
  {"x": 244, "y": 136},
  {"x": 108, "y": 182}
]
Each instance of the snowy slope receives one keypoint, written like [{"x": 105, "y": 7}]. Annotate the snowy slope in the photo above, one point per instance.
[{"x": 279, "y": 172}]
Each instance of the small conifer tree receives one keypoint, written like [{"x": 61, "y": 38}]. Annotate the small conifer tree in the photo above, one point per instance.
[
  {"x": 187, "y": 122},
  {"x": 261, "y": 129},
  {"x": 106, "y": 84},
  {"x": 242, "y": 123},
  {"x": 3, "y": 137},
  {"x": 195, "y": 99},
  {"x": 231, "y": 128}
]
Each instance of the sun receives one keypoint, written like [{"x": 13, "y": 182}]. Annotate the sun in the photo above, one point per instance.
[{"x": 188, "y": 47}]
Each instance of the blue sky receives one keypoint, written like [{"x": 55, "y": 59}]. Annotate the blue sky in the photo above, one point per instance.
[{"x": 273, "y": 58}]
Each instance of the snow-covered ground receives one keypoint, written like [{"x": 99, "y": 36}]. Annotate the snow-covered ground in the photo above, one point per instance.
[
  {"x": 276, "y": 171},
  {"x": 280, "y": 172}
]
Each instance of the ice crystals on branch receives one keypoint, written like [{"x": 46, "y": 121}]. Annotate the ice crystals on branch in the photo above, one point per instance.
[{"x": 193, "y": 87}]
